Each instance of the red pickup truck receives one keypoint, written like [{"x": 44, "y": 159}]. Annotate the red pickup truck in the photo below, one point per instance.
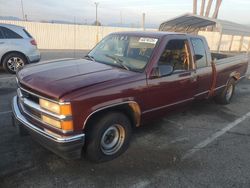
[{"x": 91, "y": 105}]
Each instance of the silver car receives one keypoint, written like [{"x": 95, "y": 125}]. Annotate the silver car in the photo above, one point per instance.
[{"x": 17, "y": 48}]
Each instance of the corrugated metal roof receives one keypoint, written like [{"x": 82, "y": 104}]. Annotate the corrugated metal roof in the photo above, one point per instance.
[
  {"x": 232, "y": 28},
  {"x": 190, "y": 23}
]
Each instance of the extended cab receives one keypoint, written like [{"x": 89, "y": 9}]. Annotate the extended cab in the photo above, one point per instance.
[{"x": 91, "y": 105}]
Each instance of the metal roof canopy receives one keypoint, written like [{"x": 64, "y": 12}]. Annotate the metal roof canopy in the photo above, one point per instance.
[{"x": 190, "y": 23}]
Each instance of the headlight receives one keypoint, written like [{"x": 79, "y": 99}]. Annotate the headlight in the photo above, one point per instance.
[
  {"x": 51, "y": 121},
  {"x": 64, "y": 125},
  {"x": 64, "y": 109},
  {"x": 59, "y": 109}
]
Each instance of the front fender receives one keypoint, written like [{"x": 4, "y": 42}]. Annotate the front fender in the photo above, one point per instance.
[{"x": 134, "y": 106}]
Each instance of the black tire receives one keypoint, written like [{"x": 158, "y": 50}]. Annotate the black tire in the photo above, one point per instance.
[
  {"x": 13, "y": 61},
  {"x": 98, "y": 137},
  {"x": 226, "y": 95}
]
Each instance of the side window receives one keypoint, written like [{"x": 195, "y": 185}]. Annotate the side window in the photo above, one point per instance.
[
  {"x": 1, "y": 34},
  {"x": 176, "y": 54},
  {"x": 200, "y": 52},
  {"x": 9, "y": 34}
]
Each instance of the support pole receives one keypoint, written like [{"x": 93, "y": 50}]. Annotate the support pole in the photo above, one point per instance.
[
  {"x": 231, "y": 43},
  {"x": 194, "y": 6},
  {"x": 248, "y": 50},
  {"x": 208, "y": 8},
  {"x": 217, "y": 8},
  {"x": 143, "y": 21},
  {"x": 241, "y": 43},
  {"x": 219, "y": 44},
  {"x": 203, "y": 2},
  {"x": 22, "y": 10},
  {"x": 96, "y": 21},
  {"x": 121, "y": 18},
  {"x": 96, "y": 18}
]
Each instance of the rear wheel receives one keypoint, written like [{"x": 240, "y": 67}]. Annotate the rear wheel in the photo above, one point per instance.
[
  {"x": 108, "y": 137},
  {"x": 13, "y": 61},
  {"x": 226, "y": 95}
]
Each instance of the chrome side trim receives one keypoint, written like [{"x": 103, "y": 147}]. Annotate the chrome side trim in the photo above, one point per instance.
[
  {"x": 165, "y": 106},
  {"x": 51, "y": 136},
  {"x": 219, "y": 87},
  {"x": 204, "y": 92},
  {"x": 39, "y": 96},
  {"x": 242, "y": 77},
  {"x": 109, "y": 106}
]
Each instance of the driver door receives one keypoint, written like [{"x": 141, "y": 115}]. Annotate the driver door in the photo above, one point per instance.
[{"x": 178, "y": 88}]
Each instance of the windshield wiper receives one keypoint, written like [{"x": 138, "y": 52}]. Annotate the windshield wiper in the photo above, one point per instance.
[
  {"x": 118, "y": 61},
  {"x": 90, "y": 57}
]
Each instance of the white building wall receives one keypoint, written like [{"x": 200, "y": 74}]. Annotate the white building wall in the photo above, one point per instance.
[{"x": 69, "y": 36}]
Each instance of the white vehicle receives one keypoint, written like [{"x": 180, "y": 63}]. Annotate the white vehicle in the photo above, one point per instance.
[{"x": 17, "y": 48}]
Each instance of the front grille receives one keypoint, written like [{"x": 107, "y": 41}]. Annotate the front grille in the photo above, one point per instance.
[
  {"x": 31, "y": 111},
  {"x": 30, "y": 96}
]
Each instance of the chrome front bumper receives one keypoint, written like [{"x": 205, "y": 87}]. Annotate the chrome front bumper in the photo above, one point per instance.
[{"x": 65, "y": 146}]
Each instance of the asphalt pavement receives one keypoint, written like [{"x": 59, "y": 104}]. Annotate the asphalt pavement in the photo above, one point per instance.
[{"x": 205, "y": 145}]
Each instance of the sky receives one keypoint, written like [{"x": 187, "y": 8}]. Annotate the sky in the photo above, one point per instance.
[{"x": 118, "y": 11}]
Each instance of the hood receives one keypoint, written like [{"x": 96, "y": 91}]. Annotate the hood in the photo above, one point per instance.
[{"x": 57, "y": 78}]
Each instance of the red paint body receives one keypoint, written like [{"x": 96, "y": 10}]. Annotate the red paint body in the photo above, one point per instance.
[{"x": 90, "y": 86}]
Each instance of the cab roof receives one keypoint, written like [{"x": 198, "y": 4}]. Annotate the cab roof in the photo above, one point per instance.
[{"x": 152, "y": 34}]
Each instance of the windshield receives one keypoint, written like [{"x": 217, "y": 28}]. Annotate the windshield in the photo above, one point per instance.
[{"x": 128, "y": 52}]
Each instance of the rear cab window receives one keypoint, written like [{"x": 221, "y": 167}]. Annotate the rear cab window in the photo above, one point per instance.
[
  {"x": 9, "y": 34},
  {"x": 200, "y": 55}
]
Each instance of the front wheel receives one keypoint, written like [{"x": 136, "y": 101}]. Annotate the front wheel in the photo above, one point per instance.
[
  {"x": 226, "y": 95},
  {"x": 108, "y": 137}
]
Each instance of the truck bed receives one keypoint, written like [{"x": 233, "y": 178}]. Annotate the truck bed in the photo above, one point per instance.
[
  {"x": 228, "y": 63},
  {"x": 221, "y": 58}
]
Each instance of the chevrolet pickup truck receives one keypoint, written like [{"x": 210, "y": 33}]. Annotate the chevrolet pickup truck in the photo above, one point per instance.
[{"x": 89, "y": 107}]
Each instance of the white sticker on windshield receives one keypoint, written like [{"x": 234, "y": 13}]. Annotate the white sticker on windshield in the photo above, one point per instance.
[{"x": 148, "y": 40}]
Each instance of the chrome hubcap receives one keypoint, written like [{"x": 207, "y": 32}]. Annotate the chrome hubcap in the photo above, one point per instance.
[
  {"x": 112, "y": 139},
  {"x": 229, "y": 92},
  {"x": 14, "y": 63}
]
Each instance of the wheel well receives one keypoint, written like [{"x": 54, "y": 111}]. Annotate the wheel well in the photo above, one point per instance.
[
  {"x": 234, "y": 75},
  {"x": 132, "y": 111},
  {"x": 235, "y": 78},
  {"x": 7, "y": 53}
]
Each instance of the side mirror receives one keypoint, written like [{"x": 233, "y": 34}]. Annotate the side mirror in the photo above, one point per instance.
[
  {"x": 162, "y": 70},
  {"x": 198, "y": 57}
]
